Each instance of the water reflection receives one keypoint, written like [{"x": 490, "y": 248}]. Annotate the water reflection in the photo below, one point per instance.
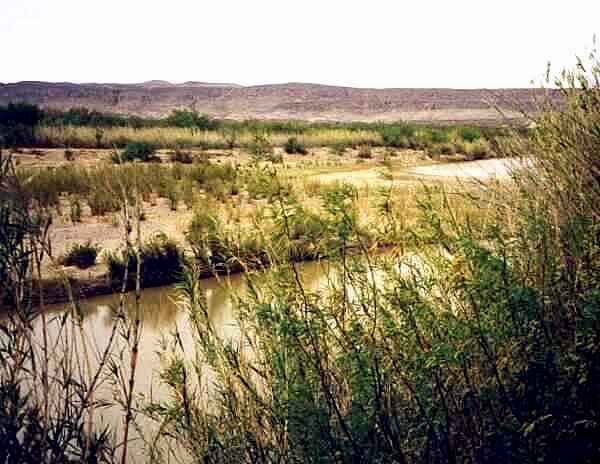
[{"x": 161, "y": 316}]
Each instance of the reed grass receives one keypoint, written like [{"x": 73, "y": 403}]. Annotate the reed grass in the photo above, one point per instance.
[
  {"x": 172, "y": 137},
  {"x": 483, "y": 347}
]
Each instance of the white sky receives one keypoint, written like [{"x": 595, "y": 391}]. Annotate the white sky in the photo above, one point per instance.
[{"x": 375, "y": 43}]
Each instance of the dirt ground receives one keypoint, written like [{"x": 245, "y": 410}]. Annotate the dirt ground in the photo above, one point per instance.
[{"x": 52, "y": 157}]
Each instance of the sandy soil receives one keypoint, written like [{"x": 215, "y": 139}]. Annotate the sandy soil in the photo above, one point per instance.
[
  {"x": 52, "y": 157},
  {"x": 483, "y": 169},
  {"x": 446, "y": 172},
  {"x": 108, "y": 232}
]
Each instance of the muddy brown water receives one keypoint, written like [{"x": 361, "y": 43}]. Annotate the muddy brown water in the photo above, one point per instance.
[{"x": 162, "y": 315}]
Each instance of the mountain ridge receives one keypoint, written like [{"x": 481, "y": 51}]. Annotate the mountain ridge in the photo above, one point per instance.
[{"x": 294, "y": 100}]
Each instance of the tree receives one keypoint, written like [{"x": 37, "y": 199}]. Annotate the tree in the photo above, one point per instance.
[{"x": 17, "y": 122}]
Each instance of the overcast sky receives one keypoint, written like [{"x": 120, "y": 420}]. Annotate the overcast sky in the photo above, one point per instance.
[{"x": 375, "y": 43}]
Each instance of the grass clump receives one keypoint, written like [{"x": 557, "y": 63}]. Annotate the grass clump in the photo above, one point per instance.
[
  {"x": 260, "y": 148},
  {"x": 181, "y": 156},
  {"x": 75, "y": 209},
  {"x": 218, "y": 250},
  {"x": 136, "y": 151},
  {"x": 477, "y": 150},
  {"x": 294, "y": 146},
  {"x": 397, "y": 136},
  {"x": 161, "y": 263},
  {"x": 469, "y": 134},
  {"x": 81, "y": 256},
  {"x": 69, "y": 155},
  {"x": 338, "y": 149},
  {"x": 365, "y": 152}
]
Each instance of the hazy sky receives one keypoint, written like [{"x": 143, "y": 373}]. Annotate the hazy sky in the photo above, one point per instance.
[{"x": 375, "y": 43}]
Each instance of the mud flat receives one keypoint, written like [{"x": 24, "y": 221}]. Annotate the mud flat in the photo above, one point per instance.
[{"x": 482, "y": 169}]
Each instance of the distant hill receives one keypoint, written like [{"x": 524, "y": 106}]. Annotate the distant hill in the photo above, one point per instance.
[{"x": 311, "y": 102}]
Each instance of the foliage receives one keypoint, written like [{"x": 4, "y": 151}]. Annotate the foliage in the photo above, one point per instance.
[
  {"x": 339, "y": 149},
  {"x": 136, "y": 151},
  {"x": 261, "y": 148},
  {"x": 365, "y": 152},
  {"x": 75, "y": 209},
  {"x": 397, "y": 135},
  {"x": 294, "y": 146},
  {"x": 44, "y": 413},
  {"x": 17, "y": 223},
  {"x": 469, "y": 134},
  {"x": 81, "y": 255},
  {"x": 190, "y": 120},
  {"x": 161, "y": 262},
  {"x": 483, "y": 347},
  {"x": 17, "y": 123},
  {"x": 181, "y": 156}
]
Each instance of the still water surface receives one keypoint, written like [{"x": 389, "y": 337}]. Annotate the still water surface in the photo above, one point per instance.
[{"x": 162, "y": 315}]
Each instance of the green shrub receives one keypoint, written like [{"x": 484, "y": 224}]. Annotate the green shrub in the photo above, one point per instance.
[
  {"x": 98, "y": 135},
  {"x": 102, "y": 202},
  {"x": 75, "y": 209},
  {"x": 338, "y": 148},
  {"x": 439, "y": 136},
  {"x": 136, "y": 151},
  {"x": 161, "y": 263},
  {"x": 17, "y": 124},
  {"x": 447, "y": 149},
  {"x": 477, "y": 150},
  {"x": 294, "y": 146},
  {"x": 469, "y": 134},
  {"x": 260, "y": 147},
  {"x": 173, "y": 197},
  {"x": 191, "y": 120},
  {"x": 81, "y": 255},
  {"x": 397, "y": 136}
]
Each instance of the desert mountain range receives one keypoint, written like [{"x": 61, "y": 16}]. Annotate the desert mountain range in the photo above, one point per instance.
[{"x": 311, "y": 102}]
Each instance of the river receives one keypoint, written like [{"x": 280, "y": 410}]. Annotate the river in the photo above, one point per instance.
[{"x": 161, "y": 316}]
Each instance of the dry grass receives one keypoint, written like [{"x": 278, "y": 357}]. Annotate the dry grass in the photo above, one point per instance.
[{"x": 52, "y": 136}]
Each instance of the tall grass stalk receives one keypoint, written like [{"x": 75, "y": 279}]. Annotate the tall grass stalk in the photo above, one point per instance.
[{"x": 481, "y": 347}]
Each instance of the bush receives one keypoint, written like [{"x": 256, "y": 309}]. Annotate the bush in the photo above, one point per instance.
[
  {"x": 447, "y": 149},
  {"x": 477, "y": 150},
  {"x": 439, "y": 136},
  {"x": 469, "y": 134},
  {"x": 365, "y": 152},
  {"x": 294, "y": 146},
  {"x": 397, "y": 136},
  {"x": 261, "y": 147},
  {"x": 17, "y": 123},
  {"x": 140, "y": 151},
  {"x": 75, "y": 209},
  {"x": 162, "y": 263},
  {"x": 339, "y": 148},
  {"x": 190, "y": 120},
  {"x": 81, "y": 255},
  {"x": 102, "y": 201},
  {"x": 181, "y": 156},
  {"x": 69, "y": 155}
]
